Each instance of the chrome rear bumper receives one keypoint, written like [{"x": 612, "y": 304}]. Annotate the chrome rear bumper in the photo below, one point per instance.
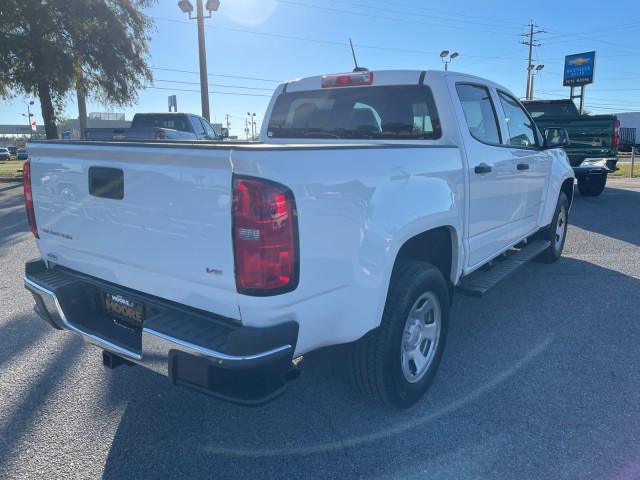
[{"x": 164, "y": 343}]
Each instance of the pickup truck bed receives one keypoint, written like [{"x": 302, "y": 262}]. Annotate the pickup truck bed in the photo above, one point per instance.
[{"x": 593, "y": 140}]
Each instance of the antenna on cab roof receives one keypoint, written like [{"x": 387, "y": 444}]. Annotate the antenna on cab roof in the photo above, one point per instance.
[{"x": 357, "y": 68}]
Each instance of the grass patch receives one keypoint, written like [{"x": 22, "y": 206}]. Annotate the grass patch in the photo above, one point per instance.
[
  {"x": 625, "y": 169},
  {"x": 11, "y": 165}
]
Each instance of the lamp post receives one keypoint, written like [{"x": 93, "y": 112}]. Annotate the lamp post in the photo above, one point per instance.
[
  {"x": 252, "y": 122},
  {"x": 444, "y": 54},
  {"x": 212, "y": 6},
  {"x": 29, "y": 114},
  {"x": 532, "y": 73}
]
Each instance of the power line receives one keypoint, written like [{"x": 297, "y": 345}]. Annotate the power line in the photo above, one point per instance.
[
  {"x": 216, "y": 74},
  {"x": 314, "y": 40},
  {"x": 217, "y": 93},
  {"x": 214, "y": 85},
  {"x": 456, "y": 14},
  {"x": 598, "y": 105},
  {"x": 613, "y": 30},
  {"x": 413, "y": 14},
  {"x": 369, "y": 15},
  {"x": 326, "y": 42}
]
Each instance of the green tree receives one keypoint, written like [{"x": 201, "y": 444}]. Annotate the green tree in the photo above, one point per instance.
[{"x": 53, "y": 48}]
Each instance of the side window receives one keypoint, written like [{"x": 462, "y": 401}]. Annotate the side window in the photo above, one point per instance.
[
  {"x": 479, "y": 112},
  {"x": 197, "y": 126},
  {"x": 208, "y": 129},
  {"x": 522, "y": 132}
]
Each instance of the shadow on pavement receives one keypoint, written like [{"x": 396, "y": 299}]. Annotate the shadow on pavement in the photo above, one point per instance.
[
  {"x": 536, "y": 386},
  {"x": 611, "y": 214},
  {"x": 13, "y": 219},
  {"x": 23, "y": 413}
]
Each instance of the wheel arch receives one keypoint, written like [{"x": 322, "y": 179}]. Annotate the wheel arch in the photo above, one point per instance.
[
  {"x": 567, "y": 188},
  {"x": 438, "y": 247}
]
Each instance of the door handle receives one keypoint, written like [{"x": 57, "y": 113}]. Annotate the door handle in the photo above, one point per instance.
[
  {"x": 482, "y": 168},
  {"x": 523, "y": 166}
]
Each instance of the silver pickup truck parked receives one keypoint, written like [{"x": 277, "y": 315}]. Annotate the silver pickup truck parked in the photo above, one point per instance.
[{"x": 157, "y": 126}]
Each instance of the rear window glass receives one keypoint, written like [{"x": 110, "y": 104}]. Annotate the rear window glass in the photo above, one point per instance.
[
  {"x": 360, "y": 113},
  {"x": 162, "y": 121},
  {"x": 551, "y": 109}
]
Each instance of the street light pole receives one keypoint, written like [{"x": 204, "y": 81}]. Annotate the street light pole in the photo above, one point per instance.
[
  {"x": 532, "y": 74},
  {"x": 202, "y": 54},
  {"x": 443, "y": 56},
  {"x": 29, "y": 114},
  {"x": 212, "y": 6},
  {"x": 252, "y": 121}
]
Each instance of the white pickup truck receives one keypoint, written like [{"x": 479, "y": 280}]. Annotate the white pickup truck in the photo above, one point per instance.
[{"x": 372, "y": 197}]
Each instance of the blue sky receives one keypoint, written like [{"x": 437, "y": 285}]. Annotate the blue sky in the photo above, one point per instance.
[{"x": 254, "y": 44}]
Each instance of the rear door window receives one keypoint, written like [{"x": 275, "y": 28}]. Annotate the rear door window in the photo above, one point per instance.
[{"x": 479, "y": 112}]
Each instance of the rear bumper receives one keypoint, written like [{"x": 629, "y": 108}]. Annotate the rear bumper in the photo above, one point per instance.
[
  {"x": 591, "y": 167},
  {"x": 192, "y": 348}
]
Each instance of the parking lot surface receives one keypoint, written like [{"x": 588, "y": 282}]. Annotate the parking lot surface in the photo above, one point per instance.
[{"x": 540, "y": 379}]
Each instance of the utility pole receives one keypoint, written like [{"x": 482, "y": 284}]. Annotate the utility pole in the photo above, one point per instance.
[{"x": 531, "y": 44}]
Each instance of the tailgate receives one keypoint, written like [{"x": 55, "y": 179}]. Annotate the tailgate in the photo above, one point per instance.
[
  {"x": 153, "y": 218},
  {"x": 589, "y": 136}
]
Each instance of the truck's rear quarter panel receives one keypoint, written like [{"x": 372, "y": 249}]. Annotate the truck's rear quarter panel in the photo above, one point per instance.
[{"x": 356, "y": 208}]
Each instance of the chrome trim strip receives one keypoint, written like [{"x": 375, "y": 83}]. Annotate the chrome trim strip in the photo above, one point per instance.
[{"x": 155, "y": 345}]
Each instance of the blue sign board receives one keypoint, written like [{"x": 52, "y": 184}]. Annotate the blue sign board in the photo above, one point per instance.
[{"x": 579, "y": 69}]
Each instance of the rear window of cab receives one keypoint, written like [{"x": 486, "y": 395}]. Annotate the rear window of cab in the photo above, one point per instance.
[{"x": 404, "y": 112}]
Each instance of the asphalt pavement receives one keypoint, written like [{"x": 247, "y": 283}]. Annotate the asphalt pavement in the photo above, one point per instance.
[{"x": 540, "y": 380}]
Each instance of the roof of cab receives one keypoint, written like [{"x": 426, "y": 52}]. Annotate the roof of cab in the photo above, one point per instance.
[{"x": 381, "y": 78}]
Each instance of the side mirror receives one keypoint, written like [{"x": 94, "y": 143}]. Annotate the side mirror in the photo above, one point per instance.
[{"x": 555, "y": 137}]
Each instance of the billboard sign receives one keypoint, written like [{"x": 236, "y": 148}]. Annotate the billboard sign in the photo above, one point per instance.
[{"x": 579, "y": 69}]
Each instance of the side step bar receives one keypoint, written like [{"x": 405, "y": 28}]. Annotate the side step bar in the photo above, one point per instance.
[{"x": 480, "y": 282}]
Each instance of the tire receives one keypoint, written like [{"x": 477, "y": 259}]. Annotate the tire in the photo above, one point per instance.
[
  {"x": 556, "y": 232},
  {"x": 592, "y": 186},
  {"x": 396, "y": 362}
]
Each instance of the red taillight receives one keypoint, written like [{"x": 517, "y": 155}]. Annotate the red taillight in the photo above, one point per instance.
[
  {"x": 265, "y": 237},
  {"x": 347, "y": 80},
  {"x": 615, "y": 137},
  {"x": 28, "y": 198},
  {"x": 160, "y": 135}
]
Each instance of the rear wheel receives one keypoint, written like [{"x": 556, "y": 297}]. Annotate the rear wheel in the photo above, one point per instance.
[
  {"x": 396, "y": 362},
  {"x": 556, "y": 233},
  {"x": 592, "y": 186}
]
